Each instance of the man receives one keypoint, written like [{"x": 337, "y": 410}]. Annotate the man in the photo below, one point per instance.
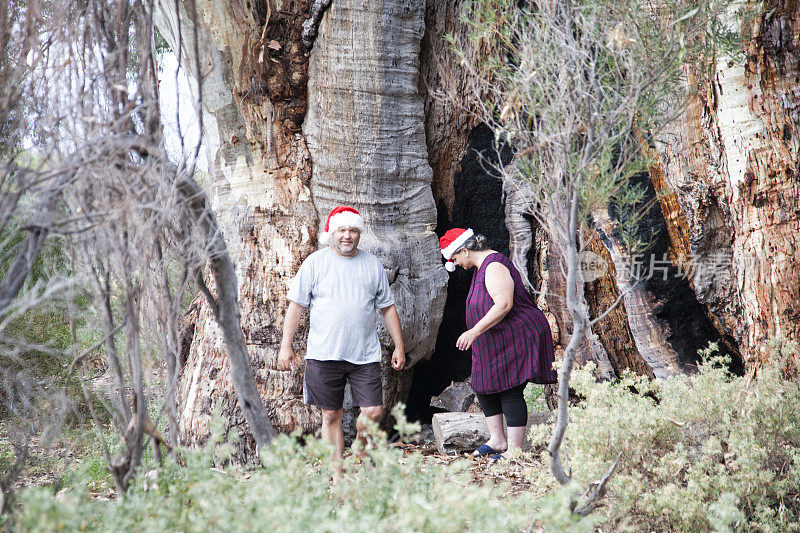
[{"x": 343, "y": 286}]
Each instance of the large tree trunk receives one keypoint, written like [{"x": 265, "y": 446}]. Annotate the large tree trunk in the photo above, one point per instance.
[
  {"x": 364, "y": 139},
  {"x": 731, "y": 163},
  {"x": 365, "y": 130}
]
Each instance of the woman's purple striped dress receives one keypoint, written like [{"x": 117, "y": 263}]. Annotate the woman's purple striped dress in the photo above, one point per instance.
[{"x": 516, "y": 350}]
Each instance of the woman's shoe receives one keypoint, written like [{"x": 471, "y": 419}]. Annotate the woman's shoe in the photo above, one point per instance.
[{"x": 485, "y": 449}]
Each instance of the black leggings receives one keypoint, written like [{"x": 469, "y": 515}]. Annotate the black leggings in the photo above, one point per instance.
[{"x": 509, "y": 402}]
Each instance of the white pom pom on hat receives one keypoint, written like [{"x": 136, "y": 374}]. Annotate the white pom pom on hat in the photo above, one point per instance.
[
  {"x": 450, "y": 243},
  {"x": 341, "y": 216}
]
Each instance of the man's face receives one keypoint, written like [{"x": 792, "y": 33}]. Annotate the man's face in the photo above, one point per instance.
[{"x": 345, "y": 241}]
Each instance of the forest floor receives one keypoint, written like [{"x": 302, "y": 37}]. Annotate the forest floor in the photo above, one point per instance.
[
  {"x": 76, "y": 455},
  {"x": 485, "y": 469}
]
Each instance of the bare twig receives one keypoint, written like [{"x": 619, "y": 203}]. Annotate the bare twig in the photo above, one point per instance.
[
  {"x": 595, "y": 492},
  {"x": 81, "y": 356}
]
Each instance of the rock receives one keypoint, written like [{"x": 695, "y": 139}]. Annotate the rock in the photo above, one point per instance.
[
  {"x": 474, "y": 407},
  {"x": 456, "y": 398}
]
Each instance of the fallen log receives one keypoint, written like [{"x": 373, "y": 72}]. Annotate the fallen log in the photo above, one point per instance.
[{"x": 457, "y": 432}]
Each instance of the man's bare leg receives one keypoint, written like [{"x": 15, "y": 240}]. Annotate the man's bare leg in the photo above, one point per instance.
[
  {"x": 332, "y": 432},
  {"x": 374, "y": 413}
]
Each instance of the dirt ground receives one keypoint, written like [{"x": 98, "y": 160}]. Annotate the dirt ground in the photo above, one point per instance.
[
  {"x": 484, "y": 469},
  {"x": 47, "y": 466}
]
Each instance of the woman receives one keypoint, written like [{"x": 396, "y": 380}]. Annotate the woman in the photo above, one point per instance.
[{"x": 510, "y": 338}]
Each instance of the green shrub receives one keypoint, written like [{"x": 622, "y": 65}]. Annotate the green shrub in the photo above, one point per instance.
[
  {"x": 389, "y": 491},
  {"x": 704, "y": 452},
  {"x": 90, "y": 473},
  {"x": 713, "y": 452},
  {"x": 534, "y": 398}
]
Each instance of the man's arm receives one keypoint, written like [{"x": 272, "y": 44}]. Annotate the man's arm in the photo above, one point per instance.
[
  {"x": 286, "y": 357},
  {"x": 392, "y": 320}
]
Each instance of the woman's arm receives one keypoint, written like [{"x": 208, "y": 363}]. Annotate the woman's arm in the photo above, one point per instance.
[{"x": 500, "y": 286}]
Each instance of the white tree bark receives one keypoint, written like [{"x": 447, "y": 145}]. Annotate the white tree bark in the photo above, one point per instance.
[
  {"x": 258, "y": 185},
  {"x": 731, "y": 163}
]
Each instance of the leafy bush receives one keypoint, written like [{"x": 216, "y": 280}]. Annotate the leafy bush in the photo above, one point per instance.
[
  {"x": 705, "y": 452},
  {"x": 391, "y": 490},
  {"x": 534, "y": 398},
  {"x": 709, "y": 451}
]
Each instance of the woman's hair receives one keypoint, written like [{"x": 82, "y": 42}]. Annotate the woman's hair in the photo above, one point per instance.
[{"x": 476, "y": 243}]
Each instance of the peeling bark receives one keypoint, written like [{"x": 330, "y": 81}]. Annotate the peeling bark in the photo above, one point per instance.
[
  {"x": 617, "y": 332},
  {"x": 732, "y": 162},
  {"x": 652, "y": 355},
  {"x": 260, "y": 168}
]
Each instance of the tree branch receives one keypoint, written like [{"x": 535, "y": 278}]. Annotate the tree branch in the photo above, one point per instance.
[
  {"x": 228, "y": 316},
  {"x": 595, "y": 492}
]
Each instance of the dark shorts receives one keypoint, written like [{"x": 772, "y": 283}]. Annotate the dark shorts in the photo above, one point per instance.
[{"x": 324, "y": 382}]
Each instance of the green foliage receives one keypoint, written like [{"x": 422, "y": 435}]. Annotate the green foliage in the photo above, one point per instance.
[
  {"x": 714, "y": 452},
  {"x": 534, "y": 398},
  {"x": 632, "y": 207},
  {"x": 92, "y": 471},
  {"x": 45, "y": 325},
  {"x": 389, "y": 491},
  {"x": 553, "y": 513},
  {"x": 162, "y": 46},
  {"x": 705, "y": 452},
  {"x": 7, "y": 458}
]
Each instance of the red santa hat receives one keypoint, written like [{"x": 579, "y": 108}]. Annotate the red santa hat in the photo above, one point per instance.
[
  {"x": 341, "y": 216},
  {"x": 451, "y": 241}
]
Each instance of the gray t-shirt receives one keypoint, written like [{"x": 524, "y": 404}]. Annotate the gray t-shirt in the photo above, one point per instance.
[{"x": 343, "y": 293}]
